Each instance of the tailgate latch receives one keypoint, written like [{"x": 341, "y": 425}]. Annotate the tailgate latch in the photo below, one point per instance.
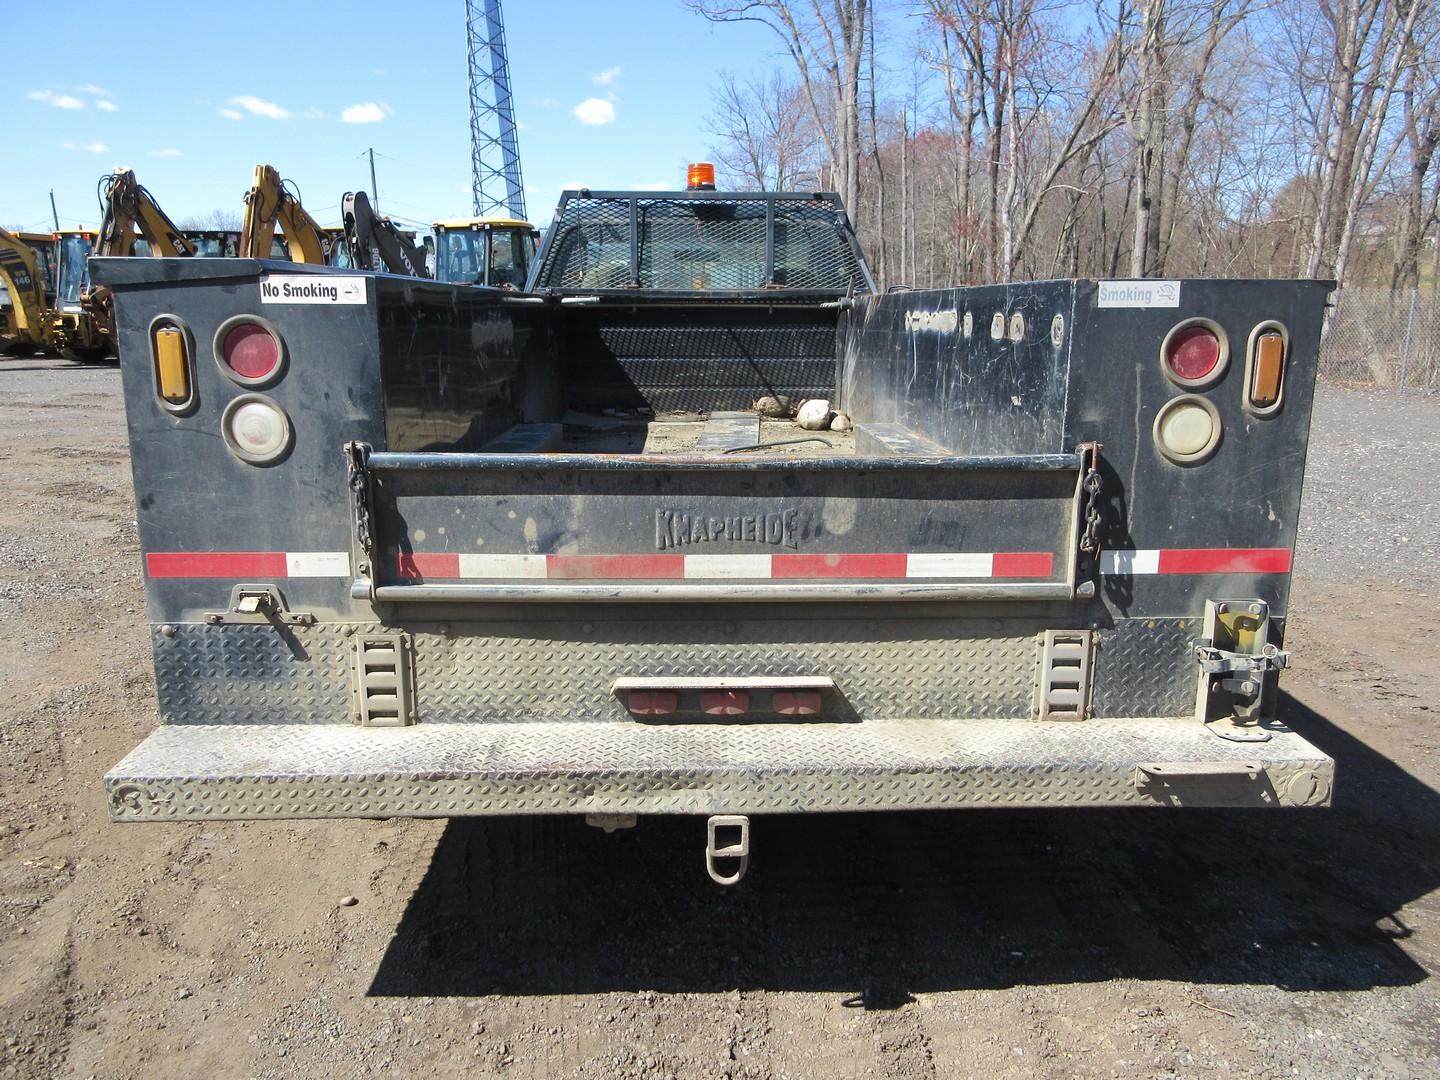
[{"x": 259, "y": 604}]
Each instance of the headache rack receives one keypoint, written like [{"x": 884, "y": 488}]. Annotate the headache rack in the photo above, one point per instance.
[{"x": 700, "y": 242}]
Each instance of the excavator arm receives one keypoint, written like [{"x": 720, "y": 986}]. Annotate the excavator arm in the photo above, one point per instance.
[
  {"x": 131, "y": 213},
  {"x": 270, "y": 204},
  {"x": 20, "y": 274},
  {"x": 368, "y": 235}
]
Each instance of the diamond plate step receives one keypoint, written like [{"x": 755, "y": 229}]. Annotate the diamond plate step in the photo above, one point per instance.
[{"x": 191, "y": 772}]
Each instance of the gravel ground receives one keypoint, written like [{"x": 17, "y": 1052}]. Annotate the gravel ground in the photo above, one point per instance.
[
  {"x": 1372, "y": 487},
  {"x": 1013, "y": 943}
]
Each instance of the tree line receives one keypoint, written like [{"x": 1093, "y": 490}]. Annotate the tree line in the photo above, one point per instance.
[{"x": 996, "y": 140}]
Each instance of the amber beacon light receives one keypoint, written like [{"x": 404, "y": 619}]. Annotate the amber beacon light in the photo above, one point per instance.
[{"x": 700, "y": 176}]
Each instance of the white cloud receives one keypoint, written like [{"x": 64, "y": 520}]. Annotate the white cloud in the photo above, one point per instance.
[
  {"x": 260, "y": 107},
  {"x": 573, "y": 185},
  {"x": 91, "y": 88},
  {"x": 655, "y": 185},
  {"x": 169, "y": 151},
  {"x": 60, "y": 101},
  {"x": 89, "y": 148},
  {"x": 606, "y": 77},
  {"x": 368, "y": 112},
  {"x": 594, "y": 111},
  {"x": 106, "y": 106},
  {"x": 231, "y": 114}
]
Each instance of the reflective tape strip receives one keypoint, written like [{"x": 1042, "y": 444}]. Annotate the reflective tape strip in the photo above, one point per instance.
[
  {"x": 950, "y": 564},
  {"x": 1196, "y": 561},
  {"x": 317, "y": 563},
  {"x": 242, "y": 565},
  {"x": 502, "y": 566},
  {"x": 785, "y": 565},
  {"x": 727, "y": 566}
]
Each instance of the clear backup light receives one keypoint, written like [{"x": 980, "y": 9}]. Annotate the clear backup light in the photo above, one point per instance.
[
  {"x": 249, "y": 351},
  {"x": 1187, "y": 429},
  {"x": 1195, "y": 353},
  {"x": 256, "y": 430}
]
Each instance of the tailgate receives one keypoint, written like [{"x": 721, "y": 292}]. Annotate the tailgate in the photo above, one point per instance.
[{"x": 566, "y": 527}]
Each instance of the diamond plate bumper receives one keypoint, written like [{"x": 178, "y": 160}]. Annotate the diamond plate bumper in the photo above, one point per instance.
[{"x": 189, "y": 772}]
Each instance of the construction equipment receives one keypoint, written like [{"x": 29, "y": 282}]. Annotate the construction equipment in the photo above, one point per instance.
[
  {"x": 484, "y": 251},
  {"x": 273, "y": 203},
  {"x": 71, "y": 327},
  {"x": 374, "y": 243},
  {"x": 23, "y": 306},
  {"x": 43, "y": 244},
  {"x": 131, "y": 214},
  {"x": 440, "y": 550}
]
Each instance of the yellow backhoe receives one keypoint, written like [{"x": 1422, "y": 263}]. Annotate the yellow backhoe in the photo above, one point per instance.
[
  {"x": 272, "y": 203},
  {"x": 21, "y": 320}
]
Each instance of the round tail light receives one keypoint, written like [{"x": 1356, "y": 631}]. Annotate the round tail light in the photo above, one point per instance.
[
  {"x": 1194, "y": 353},
  {"x": 249, "y": 350},
  {"x": 256, "y": 429},
  {"x": 1187, "y": 429}
]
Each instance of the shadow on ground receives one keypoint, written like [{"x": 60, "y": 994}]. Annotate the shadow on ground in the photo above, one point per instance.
[{"x": 881, "y": 906}]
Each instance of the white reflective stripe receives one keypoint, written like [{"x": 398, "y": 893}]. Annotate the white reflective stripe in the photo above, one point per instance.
[
  {"x": 727, "y": 566},
  {"x": 317, "y": 564},
  {"x": 502, "y": 566},
  {"x": 953, "y": 564},
  {"x": 1124, "y": 563}
]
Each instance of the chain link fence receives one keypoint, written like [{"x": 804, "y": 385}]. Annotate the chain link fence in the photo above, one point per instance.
[{"x": 1382, "y": 340}]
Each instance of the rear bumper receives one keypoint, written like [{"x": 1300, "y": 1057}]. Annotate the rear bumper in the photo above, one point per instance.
[{"x": 193, "y": 772}]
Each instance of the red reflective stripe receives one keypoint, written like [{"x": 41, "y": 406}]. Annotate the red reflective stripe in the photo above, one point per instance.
[
  {"x": 1224, "y": 560},
  {"x": 215, "y": 564},
  {"x": 615, "y": 566},
  {"x": 838, "y": 566},
  {"x": 1022, "y": 564},
  {"x": 423, "y": 564}
]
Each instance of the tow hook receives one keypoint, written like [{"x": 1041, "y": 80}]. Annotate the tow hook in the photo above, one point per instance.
[{"x": 727, "y": 840}]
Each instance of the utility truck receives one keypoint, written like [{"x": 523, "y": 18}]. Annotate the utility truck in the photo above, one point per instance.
[{"x": 418, "y": 548}]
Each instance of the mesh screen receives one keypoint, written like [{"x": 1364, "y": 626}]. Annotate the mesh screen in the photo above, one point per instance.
[{"x": 697, "y": 245}]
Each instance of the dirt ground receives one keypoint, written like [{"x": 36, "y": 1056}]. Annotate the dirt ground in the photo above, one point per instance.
[{"x": 1010, "y": 943}]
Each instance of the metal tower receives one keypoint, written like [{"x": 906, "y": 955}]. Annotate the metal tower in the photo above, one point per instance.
[{"x": 494, "y": 153}]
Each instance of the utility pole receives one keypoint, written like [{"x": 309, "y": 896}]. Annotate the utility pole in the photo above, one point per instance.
[
  {"x": 53, "y": 213},
  {"x": 374, "y": 191}
]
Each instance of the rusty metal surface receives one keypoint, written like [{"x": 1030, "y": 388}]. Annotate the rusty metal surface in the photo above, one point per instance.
[{"x": 443, "y": 770}]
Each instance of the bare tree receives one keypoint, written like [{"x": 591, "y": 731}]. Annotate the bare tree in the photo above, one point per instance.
[
  {"x": 767, "y": 139},
  {"x": 828, "y": 48}
]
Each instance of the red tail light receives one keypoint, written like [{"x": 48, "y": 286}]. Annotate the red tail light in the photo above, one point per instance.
[
  {"x": 249, "y": 350},
  {"x": 1192, "y": 353},
  {"x": 652, "y": 702},
  {"x": 725, "y": 703}
]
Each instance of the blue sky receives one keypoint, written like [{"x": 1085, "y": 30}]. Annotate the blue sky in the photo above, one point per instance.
[{"x": 181, "y": 94}]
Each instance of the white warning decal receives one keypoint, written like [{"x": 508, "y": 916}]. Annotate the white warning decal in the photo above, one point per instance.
[
  {"x": 1139, "y": 294},
  {"x": 307, "y": 289}
]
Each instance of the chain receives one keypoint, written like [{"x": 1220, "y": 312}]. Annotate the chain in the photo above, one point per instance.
[
  {"x": 360, "y": 498},
  {"x": 1092, "y": 486}
]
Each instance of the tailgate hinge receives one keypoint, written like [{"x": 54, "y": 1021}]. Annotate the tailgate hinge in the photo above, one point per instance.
[{"x": 1239, "y": 670}]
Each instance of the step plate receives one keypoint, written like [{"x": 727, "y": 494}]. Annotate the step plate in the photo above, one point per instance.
[{"x": 190, "y": 772}]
